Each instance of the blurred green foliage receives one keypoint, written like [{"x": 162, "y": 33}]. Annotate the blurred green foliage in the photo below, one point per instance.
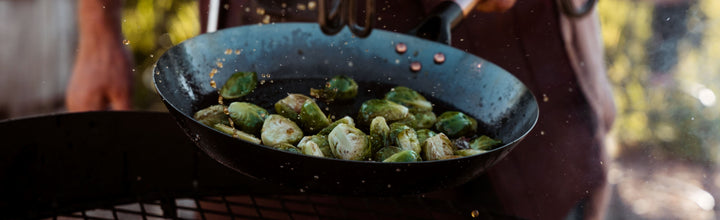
[{"x": 678, "y": 116}]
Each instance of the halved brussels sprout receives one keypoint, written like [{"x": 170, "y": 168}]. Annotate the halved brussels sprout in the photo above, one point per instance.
[
  {"x": 239, "y": 85},
  {"x": 468, "y": 152},
  {"x": 291, "y": 106},
  {"x": 378, "y": 107},
  {"x": 409, "y": 98},
  {"x": 319, "y": 140},
  {"x": 424, "y": 120},
  {"x": 312, "y": 117},
  {"x": 349, "y": 143},
  {"x": 423, "y": 134},
  {"x": 278, "y": 129},
  {"x": 237, "y": 133},
  {"x": 344, "y": 120},
  {"x": 338, "y": 88},
  {"x": 247, "y": 117},
  {"x": 484, "y": 143},
  {"x": 455, "y": 124},
  {"x": 386, "y": 152},
  {"x": 212, "y": 115},
  {"x": 403, "y": 157},
  {"x": 437, "y": 147},
  {"x": 395, "y": 129},
  {"x": 407, "y": 140},
  {"x": 287, "y": 147},
  {"x": 312, "y": 149},
  {"x": 379, "y": 133}
]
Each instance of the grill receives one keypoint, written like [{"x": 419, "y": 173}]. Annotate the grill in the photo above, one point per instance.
[{"x": 140, "y": 165}]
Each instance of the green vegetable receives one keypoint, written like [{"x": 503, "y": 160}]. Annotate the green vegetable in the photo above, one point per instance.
[
  {"x": 312, "y": 117},
  {"x": 239, "y": 85},
  {"x": 378, "y": 107},
  {"x": 338, "y": 88},
  {"x": 278, "y": 129},
  {"x": 456, "y": 124},
  {"x": 468, "y": 152},
  {"x": 423, "y": 134},
  {"x": 212, "y": 115},
  {"x": 409, "y": 98},
  {"x": 386, "y": 152},
  {"x": 379, "y": 133},
  {"x": 437, "y": 147},
  {"x": 247, "y": 117},
  {"x": 344, "y": 120},
  {"x": 287, "y": 147},
  {"x": 484, "y": 143},
  {"x": 237, "y": 133},
  {"x": 349, "y": 143},
  {"x": 291, "y": 106},
  {"x": 321, "y": 142},
  {"x": 403, "y": 157}
]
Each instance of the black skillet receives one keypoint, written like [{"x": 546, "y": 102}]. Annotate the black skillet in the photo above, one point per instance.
[{"x": 294, "y": 57}]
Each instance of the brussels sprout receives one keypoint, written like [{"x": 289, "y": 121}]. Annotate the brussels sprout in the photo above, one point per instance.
[
  {"x": 278, "y": 129},
  {"x": 378, "y": 107},
  {"x": 407, "y": 140},
  {"x": 312, "y": 149},
  {"x": 247, "y": 117},
  {"x": 379, "y": 132},
  {"x": 239, "y": 85},
  {"x": 409, "y": 98},
  {"x": 287, "y": 147},
  {"x": 403, "y": 157},
  {"x": 468, "y": 152},
  {"x": 319, "y": 140},
  {"x": 291, "y": 106},
  {"x": 212, "y": 115},
  {"x": 344, "y": 120},
  {"x": 237, "y": 133},
  {"x": 484, "y": 143},
  {"x": 450, "y": 157},
  {"x": 312, "y": 117},
  {"x": 437, "y": 147},
  {"x": 338, "y": 88},
  {"x": 423, "y": 134},
  {"x": 349, "y": 143},
  {"x": 386, "y": 152},
  {"x": 420, "y": 120},
  {"x": 456, "y": 124}
]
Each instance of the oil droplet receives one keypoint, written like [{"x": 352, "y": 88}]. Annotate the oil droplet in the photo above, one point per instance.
[
  {"x": 152, "y": 55},
  {"x": 266, "y": 19},
  {"x": 389, "y": 185},
  {"x": 397, "y": 170},
  {"x": 479, "y": 65},
  {"x": 475, "y": 213},
  {"x": 542, "y": 132},
  {"x": 397, "y": 61},
  {"x": 439, "y": 58},
  {"x": 220, "y": 100},
  {"x": 400, "y": 48},
  {"x": 228, "y": 51},
  {"x": 260, "y": 11},
  {"x": 126, "y": 42},
  {"x": 302, "y": 190},
  {"x": 212, "y": 84},
  {"x": 226, "y": 111},
  {"x": 213, "y": 72},
  {"x": 237, "y": 52},
  {"x": 219, "y": 64},
  {"x": 262, "y": 82},
  {"x": 301, "y": 7},
  {"x": 545, "y": 98},
  {"x": 415, "y": 66},
  {"x": 316, "y": 177}
]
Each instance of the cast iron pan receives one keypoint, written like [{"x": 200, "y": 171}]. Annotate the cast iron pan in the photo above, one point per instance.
[{"x": 294, "y": 57}]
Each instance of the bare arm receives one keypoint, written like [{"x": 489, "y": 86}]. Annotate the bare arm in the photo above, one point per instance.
[{"x": 101, "y": 77}]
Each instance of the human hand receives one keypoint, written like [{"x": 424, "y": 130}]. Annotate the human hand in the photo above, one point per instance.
[
  {"x": 102, "y": 76},
  {"x": 494, "y": 5}
]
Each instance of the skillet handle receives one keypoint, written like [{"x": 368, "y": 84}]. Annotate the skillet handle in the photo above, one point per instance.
[{"x": 442, "y": 19}]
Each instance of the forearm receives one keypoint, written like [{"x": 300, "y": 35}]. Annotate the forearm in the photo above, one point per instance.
[{"x": 99, "y": 22}]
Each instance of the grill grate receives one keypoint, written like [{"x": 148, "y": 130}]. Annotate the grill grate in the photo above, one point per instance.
[{"x": 281, "y": 207}]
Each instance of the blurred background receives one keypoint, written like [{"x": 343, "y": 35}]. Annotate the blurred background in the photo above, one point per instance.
[{"x": 662, "y": 57}]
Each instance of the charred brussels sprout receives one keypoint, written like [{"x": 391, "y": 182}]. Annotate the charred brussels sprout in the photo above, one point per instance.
[
  {"x": 407, "y": 140},
  {"x": 378, "y": 107},
  {"x": 321, "y": 142},
  {"x": 484, "y": 143},
  {"x": 421, "y": 120},
  {"x": 247, "y": 117},
  {"x": 312, "y": 117},
  {"x": 239, "y": 85},
  {"x": 212, "y": 115},
  {"x": 338, "y": 88},
  {"x": 437, "y": 147},
  {"x": 344, "y": 120},
  {"x": 456, "y": 124},
  {"x": 424, "y": 134},
  {"x": 291, "y": 106},
  {"x": 312, "y": 149},
  {"x": 386, "y": 152},
  {"x": 287, "y": 147},
  {"x": 379, "y": 132},
  {"x": 278, "y": 129},
  {"x": 468, "y": 152},
  {"x": 237, "y": 133},
  {"x": 403, "y": 157},
  {"x": 349, "y": 143},
  {"x": 409, "y": 98}
]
